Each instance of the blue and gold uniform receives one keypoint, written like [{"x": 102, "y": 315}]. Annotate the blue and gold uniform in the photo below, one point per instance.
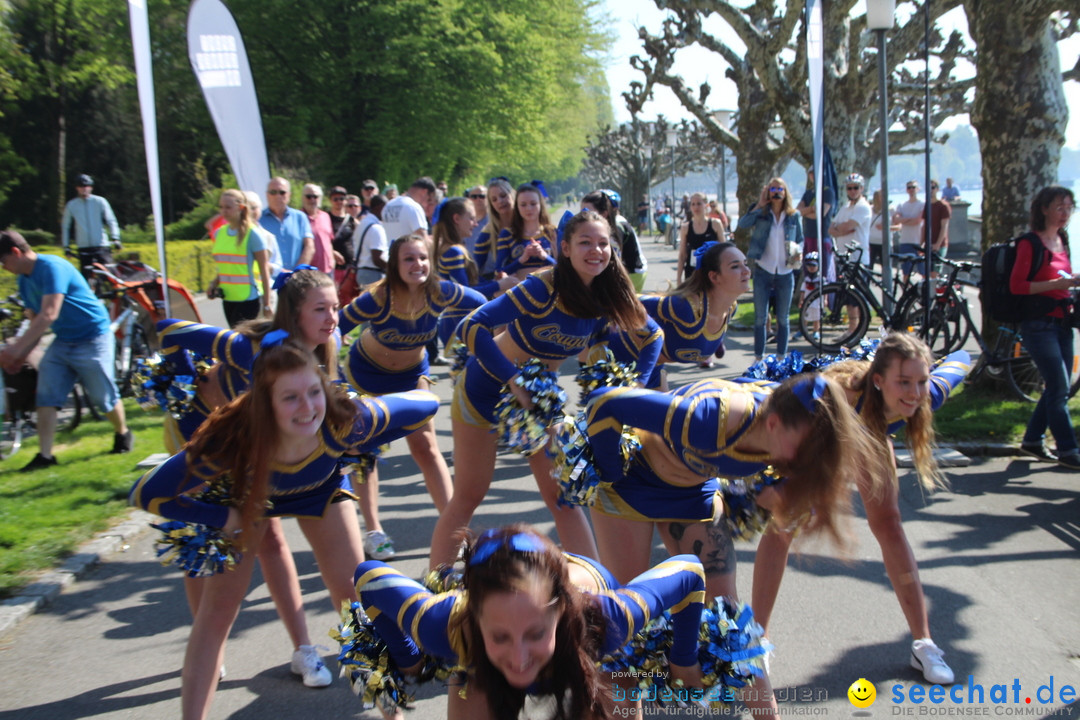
[
  {"x": 397, "y": 330},
  {"x": 304, "y": 489},
  {"x": 451, "y": 265},
  {"x": 685, "y": 429},
  {"x": 233, "y": 351},
  {"x": 509, "y": 249},
  {"x": 414, "y": 622},
  {"x": 686, "y": 337},
  {"x": 539, "y": 324}
]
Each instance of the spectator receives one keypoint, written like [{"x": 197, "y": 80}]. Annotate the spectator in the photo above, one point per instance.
[
  {"x": 408, "y": 213},
  {"x": 443, "y": 189},
  {"x": 369, "y": 244},
  {"x": 343, "y": 247},
  {"x": 852, "y": 224},
  {"x": 951, "y": 192},
  {"x": 90, "y": 214},
  {"x": 337, "y": 207},
  {"x": 289, "y": 226},
  {"x": 368, "y": 190},
  {"x": 83, "y": 349},
  {"x": 255, "y": 210},
  {"x": 478, "y": 195},
  {"x": 876, "y": 244},
  {"x": 808, "y": 211},
  {"x": 698, "y": 229},
  {"x": 390, "y": 191},
  {"x": 909, "y": 216},
  {"x": 940, "y": 212},
  {"x": 1049, "y": 337},
  {"x": 237, "y": 247},
  {"x": 321, "y": 229}
]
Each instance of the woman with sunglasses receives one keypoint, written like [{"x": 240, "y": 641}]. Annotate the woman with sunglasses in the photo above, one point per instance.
[{"x": 776, "y": 242}]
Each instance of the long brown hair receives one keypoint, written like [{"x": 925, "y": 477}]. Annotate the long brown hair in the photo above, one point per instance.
[
  {"x": 287, "y": 316},
  {"x": 611, "y": 292},
  {"x": 571, "y": 675},
  {"x": 858, "y": 376},
  {"x": 446, "y": 236},
  {"x": 392, "y": 283},
  {"x": 517, "y": 223},
  {"x": 241, "y": 436},
  {"x": 830, "y": 456}
]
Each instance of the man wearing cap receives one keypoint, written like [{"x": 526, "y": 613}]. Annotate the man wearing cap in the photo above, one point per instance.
[
  {"x": 337, "y": 207},
  {"x": 289, "y": 226},
  {"x": 368, "y": 189},
  {"x": 83, "y": 348},
  {"x": 90, "y": 214},
  {"x": 321, "y": 229}
]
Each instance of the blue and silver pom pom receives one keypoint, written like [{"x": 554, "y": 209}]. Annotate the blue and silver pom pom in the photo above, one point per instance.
[
  {"x": 200, "y": 550},
  {"x": 574, "y": 465},
  {"x": 525, "y": 431},
  {"x": 156, "y": 384},
  {"x": 743, "y": 515},
  {"x": 606, "y": 372}
]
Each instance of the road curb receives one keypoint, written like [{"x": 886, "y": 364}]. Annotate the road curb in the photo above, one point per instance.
[{"x": 50, "y": 584}]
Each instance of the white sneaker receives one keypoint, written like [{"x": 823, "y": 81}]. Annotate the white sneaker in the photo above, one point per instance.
[
  {"x": 929, "y": 658},
  {"x": 378, "y": 545},
  {"x": 307, "y": 663}
]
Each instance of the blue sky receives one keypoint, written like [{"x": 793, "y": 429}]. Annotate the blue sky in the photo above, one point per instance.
[{"x": 697, "y": 66}]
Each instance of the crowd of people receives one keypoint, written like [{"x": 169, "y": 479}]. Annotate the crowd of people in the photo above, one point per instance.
[{"x": 284, "y": 422}]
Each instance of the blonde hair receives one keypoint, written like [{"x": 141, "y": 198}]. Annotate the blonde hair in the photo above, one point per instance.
[{"x": 247, "y": 222}]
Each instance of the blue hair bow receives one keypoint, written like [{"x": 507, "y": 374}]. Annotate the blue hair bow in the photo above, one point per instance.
[
  {"x": 810, "y": 388},
  {"x": 284, "y": 275},
  {"x": 438, "y": 212},
  {"x": 539, "y": 185},
  {"x": 700, "y": 252},
  {"x": 613, "y": 196},
  {"x": 490, "y": 541},
  {"x": 493, "y": 180},
  {"x": 273, "y": 339}
]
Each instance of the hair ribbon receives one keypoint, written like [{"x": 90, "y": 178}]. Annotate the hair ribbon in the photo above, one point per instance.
[
  {"x": 809, "y": 389},
  {"x": 539, "y": 185},
  {"x": 490, "y": 542},
  {"x": 272, "y": 339},
  {"x": 700, "y": 252},
  {"x": 284, "y": 275}
]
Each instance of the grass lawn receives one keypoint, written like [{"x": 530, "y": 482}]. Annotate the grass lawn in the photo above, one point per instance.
[{"x": 46, "y": 514}]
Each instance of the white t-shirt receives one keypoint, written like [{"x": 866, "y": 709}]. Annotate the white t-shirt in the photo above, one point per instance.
[
  {"x": 403, "y": 216},
  {"x": 911, "y": 234},
  {"x": 860, "y": 212},
  {"x": 375, "y": 239}
]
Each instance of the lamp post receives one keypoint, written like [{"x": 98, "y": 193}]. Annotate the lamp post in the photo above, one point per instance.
[
  {"x": 879, "y": 18},
  {"x": 647, "y": 152},
  {"x": 672, "y": 141}
]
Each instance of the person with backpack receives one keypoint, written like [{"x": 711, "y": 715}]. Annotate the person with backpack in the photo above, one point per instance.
[{"x": 1046, "y": 328}]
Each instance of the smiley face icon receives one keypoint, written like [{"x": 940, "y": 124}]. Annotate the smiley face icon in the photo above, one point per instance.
[{"x": 862, "y": 693}]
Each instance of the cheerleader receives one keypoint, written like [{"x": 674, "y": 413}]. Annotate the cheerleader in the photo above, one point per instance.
[
  {"x": 500, "y": 206},
  {"x": 549, "y": 317},
  {"x": 895, "y": 390},
  {"x": 457, "y": 220},
  {"x": 272, "y": 452},
  {"x": 527, "y": 246},
  {"x": 402, "y": 313}
]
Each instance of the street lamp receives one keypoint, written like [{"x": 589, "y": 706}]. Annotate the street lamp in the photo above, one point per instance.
[
  {"x": 880, "y": 15},
  {"x": 647, "y": 152},
  {"x": 672, "y": 141}
]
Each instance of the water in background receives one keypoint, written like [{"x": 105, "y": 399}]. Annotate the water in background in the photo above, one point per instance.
[{"x": 975, "y": 198}]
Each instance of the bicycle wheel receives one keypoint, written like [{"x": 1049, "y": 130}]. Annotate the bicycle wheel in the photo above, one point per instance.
[
  {"x": 833, "y": 303},
  {"x": 1024, "y": 378},
  {"x": 69, "y": 416},
  {"x": 948, "y": 329},
  {"x": 10, "y": 427}
]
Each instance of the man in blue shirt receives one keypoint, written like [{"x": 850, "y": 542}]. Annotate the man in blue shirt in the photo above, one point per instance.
[
  {"x": 90, "y": 214},
  {"x": 83, "y": 348},
  {"x": 290, "y": 226}
]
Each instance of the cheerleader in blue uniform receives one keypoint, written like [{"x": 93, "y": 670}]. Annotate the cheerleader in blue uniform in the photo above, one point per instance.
[
  {"x": 402, "y": 315},
  {"x": 272, "y": 452},
  {"x": 456, "y": 221},
  {"x": 550, "y": 317},
  {"x": 307, "y": 309},
  {"x": 695, "y": 315},
  {"x": 896, "y": 390},
  {"x": 803, "y": 428},
  {"x": 528, "y": 245},
  {"x": 531, "y": 620},
  {"x": 500, "y": 206}
]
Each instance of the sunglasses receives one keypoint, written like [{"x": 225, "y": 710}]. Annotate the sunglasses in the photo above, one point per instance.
[
  {"x": 854, "y": 187},
  {"x": 352, "y": 205},
  {"x": 912, "y": 187},
  {"x": 337, "y": 199},
  {"x": 312, "y": 197},
  {"x": 776, "y": 189},
  {"x": 277, "y": 192},
  {"x": 477, "y": 197}
]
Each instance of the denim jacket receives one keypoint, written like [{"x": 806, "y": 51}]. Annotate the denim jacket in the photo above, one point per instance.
[{"x": 761, "y": 220}]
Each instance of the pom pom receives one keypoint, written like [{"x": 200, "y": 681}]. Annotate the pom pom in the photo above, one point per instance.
[
  {"x": 731, "y": 653},
  {"x": 200, "y": 550},
  {"x": 775, "y": 369},
  {"x": 458, "y": 352},
  {"x": 365, "y": 660},
  {"x": 155, "y": 383},
  {"x": 574, "y": 465},
  {"x": 741, "y": 512},
  {"x": 525, "y": 431},
  {"x": 606, "y": 372}
]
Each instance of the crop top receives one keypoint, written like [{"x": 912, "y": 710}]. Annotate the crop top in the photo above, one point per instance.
[
  {"x": 398, "y": 331},
  {"x": 683, "y": 321},
  {"x": 691, "y": 421},
  {"x": 413, "y": 621},
  {"x": 537, "y": 322},
  {"x": 508, "y": 252},
  {"x": 451, "y": 266},
  {"x": 171, "y": 489}
]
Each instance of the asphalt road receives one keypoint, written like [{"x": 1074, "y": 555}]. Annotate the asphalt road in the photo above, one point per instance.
[{"x": 998, "y": 558}]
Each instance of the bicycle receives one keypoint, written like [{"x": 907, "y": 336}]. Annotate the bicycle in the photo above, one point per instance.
[
  {"x": 127, "y": 322},
  {"x": 854, "y": 289},
  {"x": 18, "y": 390}
]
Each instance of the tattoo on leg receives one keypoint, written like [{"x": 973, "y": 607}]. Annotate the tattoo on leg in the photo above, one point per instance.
[
  {"x": 719, "y": 557},
  {"x": 677, "y": 530}
]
